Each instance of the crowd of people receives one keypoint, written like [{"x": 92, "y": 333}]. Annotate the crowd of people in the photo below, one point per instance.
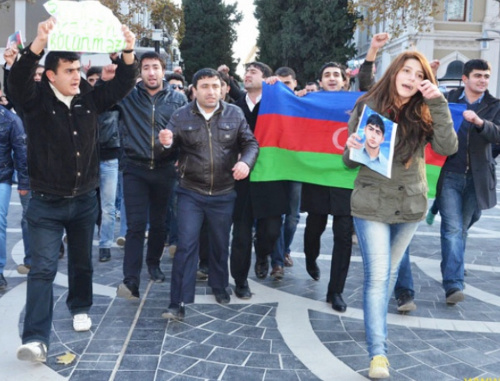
[{"x": 179, "y": 158}]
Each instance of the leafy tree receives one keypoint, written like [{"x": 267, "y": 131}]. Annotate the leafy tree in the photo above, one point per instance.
[
  {"x": 304, "y": 34},
  {"x": 210, "y": 34},
  {"x": 164, "y": 14},
  {"x": 397, "y": 16}
]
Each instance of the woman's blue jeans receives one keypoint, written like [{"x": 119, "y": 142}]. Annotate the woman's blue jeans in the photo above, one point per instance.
[{"x": 382, "y": 247}]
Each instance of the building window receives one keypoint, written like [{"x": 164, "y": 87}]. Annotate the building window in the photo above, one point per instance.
[{"x": 456, "y": 10}]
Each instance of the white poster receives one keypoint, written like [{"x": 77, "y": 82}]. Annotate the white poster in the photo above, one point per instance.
[{"x": 84, "y": 26}]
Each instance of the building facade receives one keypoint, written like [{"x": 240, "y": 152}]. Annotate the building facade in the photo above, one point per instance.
[
  {"x": 24, "y": 16},
  {"x": 453, "y": 34}
]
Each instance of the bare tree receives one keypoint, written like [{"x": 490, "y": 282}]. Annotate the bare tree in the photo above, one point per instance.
[{"x": 397, "y": 16}]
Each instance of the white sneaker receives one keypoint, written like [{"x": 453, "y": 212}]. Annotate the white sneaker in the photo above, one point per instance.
[
  {"x": 82, "y": 322},
  {"x": 34, "y": 352}
]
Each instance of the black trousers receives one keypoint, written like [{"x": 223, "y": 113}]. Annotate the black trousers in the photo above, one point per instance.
[
  {"x": 146, "y": 192},
  {"x": 267, "y": 233},
  {"x": 342, "y": 246}
]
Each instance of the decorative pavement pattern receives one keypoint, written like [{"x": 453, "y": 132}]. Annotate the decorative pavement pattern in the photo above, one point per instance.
[{"x": 285, "y": 332}]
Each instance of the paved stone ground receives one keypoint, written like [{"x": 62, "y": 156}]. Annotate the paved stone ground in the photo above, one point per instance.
[{"x": 285, "y": 332}]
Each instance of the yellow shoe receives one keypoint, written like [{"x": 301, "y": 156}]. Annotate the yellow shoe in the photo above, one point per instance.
[{"x": 379, "y": 367}]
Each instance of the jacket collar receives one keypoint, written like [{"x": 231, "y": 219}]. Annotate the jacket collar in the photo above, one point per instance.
[{"x": 140, "y": 87}]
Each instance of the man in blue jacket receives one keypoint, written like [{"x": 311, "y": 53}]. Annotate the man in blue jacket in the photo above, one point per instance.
[
  {"x": 468, "y": 177},
  {"x": 12, "y": 156},
  {"x": 60, "y": 116}
]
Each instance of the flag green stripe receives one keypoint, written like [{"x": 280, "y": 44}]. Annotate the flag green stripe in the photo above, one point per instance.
[
  {"x": 310, "y": 167},
  {"x": 317, "y": 168},
  {"x": 432, "y": 172}
]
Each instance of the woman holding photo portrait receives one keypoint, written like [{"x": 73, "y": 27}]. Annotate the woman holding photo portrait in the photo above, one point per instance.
[{"x": 387, "y": 211}]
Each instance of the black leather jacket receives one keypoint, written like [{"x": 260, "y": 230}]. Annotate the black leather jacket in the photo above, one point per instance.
[
  {"x": 208, "y": 150},
  {"x": 62, "y": 142},
  {"x": 142, "y": 116}
]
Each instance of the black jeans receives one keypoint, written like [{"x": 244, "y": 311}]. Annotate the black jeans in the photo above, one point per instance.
[
  {"x": 146, "y": 193},
  {"x": 267, "y": 233},
  {"x": 342, "y": 246}
]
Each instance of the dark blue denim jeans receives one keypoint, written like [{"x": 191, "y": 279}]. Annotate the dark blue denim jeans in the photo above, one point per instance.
[
  {"x": 459, "y": 211},
  {"x": 194, "y": 208},
  {"x": 48, "y": 216}
]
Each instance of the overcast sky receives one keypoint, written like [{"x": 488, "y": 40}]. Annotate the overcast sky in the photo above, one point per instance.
[{"x": 247, "y": 31}]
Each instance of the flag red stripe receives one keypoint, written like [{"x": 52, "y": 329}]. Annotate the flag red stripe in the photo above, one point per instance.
[
  {"x": 301, "y": 134},
  {"x": 433, "y": 158}
]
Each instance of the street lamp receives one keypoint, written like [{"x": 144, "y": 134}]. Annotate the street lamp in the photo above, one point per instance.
[{"x": 485, "y": 39}]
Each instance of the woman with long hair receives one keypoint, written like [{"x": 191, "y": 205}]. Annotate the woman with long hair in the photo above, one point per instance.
[{"x": 386, "y": 210}]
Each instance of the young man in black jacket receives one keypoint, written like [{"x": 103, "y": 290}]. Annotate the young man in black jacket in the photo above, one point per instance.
[
  {"x": 148, "y": 170},
  {"x": 60, "y": 115}
]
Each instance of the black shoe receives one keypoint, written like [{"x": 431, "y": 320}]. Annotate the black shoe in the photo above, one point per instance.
[
  {"x": 261, "y": 268},
  {"x": 156, "y": 274},
  {"x": 338, "y": 303},
  {"x": 202, "y": 273},
  {"x": 175, "y": 312},
  {"x": 128, "y": 291},
  {"x": 454, "y": 296},
  {"x": 313, "y": 269},
  {"x": 61, "y": 251},
  {"x": 243, "y": 292},
  {"x": 221, "y": 295},
  {"x": 3, "y": 282},
  {"x": 406, "y": 303},
  {"x": 104, "y": 255}
]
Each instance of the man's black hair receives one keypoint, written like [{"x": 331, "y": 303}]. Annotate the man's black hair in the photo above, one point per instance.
[
  {"x": 94, "y": 70},
  {"x": 53, "y": 58},
  {"x": 175, "y": 76},
  {"x": 315, "y": 83},
  {"x": 376, "y": 120},
  {"x": 476, "y": 64},
  {"x": 152, "y": 56},
  {"x": 205, "y": 73},
  {"x": 225, "y": 77},
  {"x": 333, "y": 64},
  {"x": 265, "y": 69},
  {"x": 285, "y": 71}
]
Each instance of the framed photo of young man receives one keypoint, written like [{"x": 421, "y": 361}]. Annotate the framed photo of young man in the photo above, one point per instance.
[{"x": 377, "y": 134}]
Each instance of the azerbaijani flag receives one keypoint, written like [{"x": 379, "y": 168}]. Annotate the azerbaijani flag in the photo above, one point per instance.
[{"x": 303, "y": 138}]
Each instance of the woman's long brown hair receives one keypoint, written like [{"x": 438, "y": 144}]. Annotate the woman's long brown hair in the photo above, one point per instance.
[{"x": 413, "y": 118}]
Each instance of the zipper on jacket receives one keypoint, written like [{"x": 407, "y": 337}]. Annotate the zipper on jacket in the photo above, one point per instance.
[
  {"x": 207, "y": 124},
  {"x": 152, "y": 164},
  {"x": 467, "y": 165}
]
